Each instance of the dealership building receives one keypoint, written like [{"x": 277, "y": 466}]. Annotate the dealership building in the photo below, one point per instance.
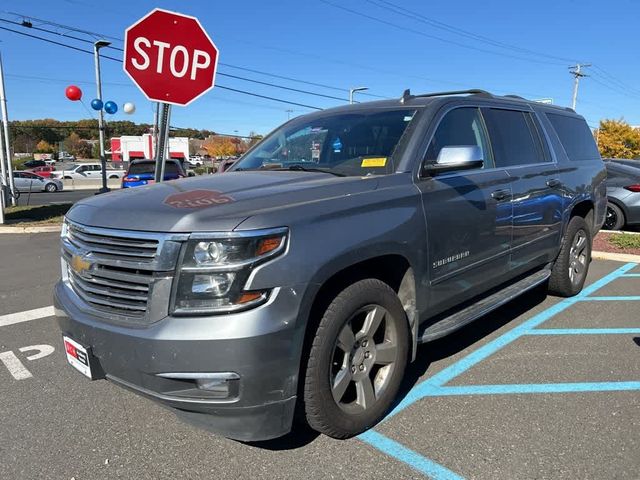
[{"x": 132, "y": 147}]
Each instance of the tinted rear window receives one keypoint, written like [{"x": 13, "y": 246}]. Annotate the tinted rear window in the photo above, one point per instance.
[
  {"x": 171, "y": 168},
  {"x": 575, "y": 136},
  {"x": 513, "y": 138}
]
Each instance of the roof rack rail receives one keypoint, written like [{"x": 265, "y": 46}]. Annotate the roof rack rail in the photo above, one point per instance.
[
  {"x": 406, "y": 95},
  {"x": 515, "y": 96}
]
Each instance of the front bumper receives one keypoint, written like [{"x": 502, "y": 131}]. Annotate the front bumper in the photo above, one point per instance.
[{"x": 262, "y": 346}]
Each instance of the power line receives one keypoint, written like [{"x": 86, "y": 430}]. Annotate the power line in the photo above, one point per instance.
[
  {"x": 267, "y": 97},
  {"x": 98, "y": 35},
  {"x": 237, "y": 77},
  {"x": 426, "y": 35},
  {"x": 390, "y": 6}
]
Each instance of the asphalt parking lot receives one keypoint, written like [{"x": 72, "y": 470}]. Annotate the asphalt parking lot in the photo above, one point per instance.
[{"x": 542, "y": 388}]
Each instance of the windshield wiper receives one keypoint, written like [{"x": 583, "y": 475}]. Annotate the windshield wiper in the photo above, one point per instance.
[{"x": 300, "y": 168}]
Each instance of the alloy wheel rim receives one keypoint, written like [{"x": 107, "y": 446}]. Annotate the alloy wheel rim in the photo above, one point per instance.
[
  {"x": 578, "y": 257},
  {"x": 611, "y": 218},
  {"x": 364, "y": 358}
]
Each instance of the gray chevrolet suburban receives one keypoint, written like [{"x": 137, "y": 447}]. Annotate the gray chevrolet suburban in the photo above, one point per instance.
[{"x": 306, "y": 276}]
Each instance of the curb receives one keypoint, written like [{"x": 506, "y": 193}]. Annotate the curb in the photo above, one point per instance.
[
  {"x": 615, "y": 232},
  {"x": 618, "y": 257},
  {"x": 17, "y": 230}
]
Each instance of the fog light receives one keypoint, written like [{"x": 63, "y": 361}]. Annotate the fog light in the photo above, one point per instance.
[
  {"x": 217, "y": 284},
  {"x": 220, "y": 385}
]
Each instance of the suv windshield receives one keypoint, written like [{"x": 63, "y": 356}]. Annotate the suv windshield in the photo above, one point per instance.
[{"x": 351, "y": 143}]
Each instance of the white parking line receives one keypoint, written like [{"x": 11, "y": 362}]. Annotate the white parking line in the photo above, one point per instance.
[
  {"x": 26, "y": 316},
  {"x": 14, "y": 365}
]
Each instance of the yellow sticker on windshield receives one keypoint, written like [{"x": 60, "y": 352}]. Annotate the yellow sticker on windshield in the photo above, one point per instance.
[{"x": 374, "y": 162}]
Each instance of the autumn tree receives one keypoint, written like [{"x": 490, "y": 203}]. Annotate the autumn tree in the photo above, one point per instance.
[
  {"x": 44, "y": 147},
  {"x": 617, "y": 139},
  {"x": 77, "y": 147},
  {"x": 217, "y": 146}
]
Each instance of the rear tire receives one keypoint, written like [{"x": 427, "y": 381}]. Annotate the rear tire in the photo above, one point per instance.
[
  {"x": 572, "y": 265},
  {"x": 357, "y": 360},
  {"x": 615, "y": 217}
]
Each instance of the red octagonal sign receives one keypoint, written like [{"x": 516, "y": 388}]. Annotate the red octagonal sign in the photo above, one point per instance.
[{"x": 170, "y": 57}]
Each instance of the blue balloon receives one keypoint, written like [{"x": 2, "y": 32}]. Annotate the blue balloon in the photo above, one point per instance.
[
  {"x": 110, "y": 107},
  {"x": 96, "y": 104}
]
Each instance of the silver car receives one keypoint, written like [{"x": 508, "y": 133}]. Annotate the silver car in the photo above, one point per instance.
[{"x": 30, "y": 182}]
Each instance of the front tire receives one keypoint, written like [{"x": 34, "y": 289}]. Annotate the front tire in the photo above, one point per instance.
[
  {"x": 51, "y": 187},
  {"x": 615, "y": 217},
  {"x": 357, "y": 360},
  {"x": 570, "y": 269}
]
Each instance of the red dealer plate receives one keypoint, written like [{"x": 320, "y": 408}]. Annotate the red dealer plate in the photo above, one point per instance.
[{"x": 77, "y": 356}]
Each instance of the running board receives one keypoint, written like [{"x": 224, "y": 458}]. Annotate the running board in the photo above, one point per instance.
[{"x": 467, "y": 315}]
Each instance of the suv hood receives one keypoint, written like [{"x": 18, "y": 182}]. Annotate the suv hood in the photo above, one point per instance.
[{"x": 213, "y": 202}]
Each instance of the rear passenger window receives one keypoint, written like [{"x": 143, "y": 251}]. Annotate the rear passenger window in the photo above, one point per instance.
[
  {"x": 514, "y": 138},
  {"x": 575, "y": 136},
  {"x": 461, "y": 127}
]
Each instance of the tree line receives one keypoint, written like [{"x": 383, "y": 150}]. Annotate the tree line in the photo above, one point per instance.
[{"x": 48, "y": 135}]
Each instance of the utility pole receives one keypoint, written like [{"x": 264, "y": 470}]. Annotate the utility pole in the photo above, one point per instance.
[
  {"x": 5, "y": 132},
  {"x": 289, "y": 112},
  {"x": 103, "y": 160},
  {"x": 577, "y": 73}
]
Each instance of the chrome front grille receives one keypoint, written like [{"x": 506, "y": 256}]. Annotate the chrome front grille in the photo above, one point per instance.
[{"x": 117, "y": 274}]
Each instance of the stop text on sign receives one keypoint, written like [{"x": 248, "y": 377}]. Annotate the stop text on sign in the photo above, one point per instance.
[
  {"x": 180, "y": 61},
  {"x": 170, "y": 57}
]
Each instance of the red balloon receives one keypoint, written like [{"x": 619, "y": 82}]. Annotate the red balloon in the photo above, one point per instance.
[{"x": 73, "y": 93}]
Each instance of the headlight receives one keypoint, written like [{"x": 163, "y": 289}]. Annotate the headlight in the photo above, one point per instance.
[{"x": 213, "y": 271}]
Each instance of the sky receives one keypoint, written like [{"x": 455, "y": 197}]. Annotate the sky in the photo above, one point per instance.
[{"x": 504, "y": 46}]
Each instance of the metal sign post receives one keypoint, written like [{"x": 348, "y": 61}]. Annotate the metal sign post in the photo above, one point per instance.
[{"x": 163, "y": 141}]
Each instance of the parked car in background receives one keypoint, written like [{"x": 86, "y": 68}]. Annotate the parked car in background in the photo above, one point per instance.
[
  {"x": 142, "y": 172},
  {"x": 623, "y": 194},
  {"x": 35, "y": 163},
  {"x": 66, "y": 157},
  {"x": 30, "y": 182},
  {"x": 624, "y": 161},
  {"x": 195, "y": 161},
  {"x": 84, "y": 171},
  {"x": 45, "y": 171}
]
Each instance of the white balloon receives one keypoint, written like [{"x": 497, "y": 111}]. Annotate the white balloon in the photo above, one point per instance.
[{"x": 129, "y": 108}]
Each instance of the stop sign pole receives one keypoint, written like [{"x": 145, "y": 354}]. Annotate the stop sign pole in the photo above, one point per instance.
[
  {"x": 162, "y": 143},
  {"x": 173, "y": 61}
]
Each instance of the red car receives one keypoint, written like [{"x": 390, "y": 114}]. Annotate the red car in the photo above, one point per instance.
[{"x": 42, "y": 171}]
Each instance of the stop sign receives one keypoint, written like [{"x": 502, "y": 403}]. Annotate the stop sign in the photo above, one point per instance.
[{"x": 170, "y": 57}]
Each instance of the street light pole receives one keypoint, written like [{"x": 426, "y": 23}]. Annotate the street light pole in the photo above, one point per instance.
[
  {"x": 354, "y": 90},
  {"x": 103, "y": 161},
  {"x": 5, "y": 133}
]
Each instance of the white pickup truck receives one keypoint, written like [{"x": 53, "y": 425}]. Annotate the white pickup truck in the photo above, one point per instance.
[{"x": 87, "y": 171}]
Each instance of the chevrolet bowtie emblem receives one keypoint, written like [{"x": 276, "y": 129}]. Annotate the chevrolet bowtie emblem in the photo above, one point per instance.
[{"x": 79, "y": 264}]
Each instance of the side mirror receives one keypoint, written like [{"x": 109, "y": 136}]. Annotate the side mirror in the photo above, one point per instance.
[{"x": 454, "y": 158}]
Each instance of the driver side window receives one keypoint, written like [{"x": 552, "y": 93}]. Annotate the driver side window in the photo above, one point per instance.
[{"x": 461, "y": 127}]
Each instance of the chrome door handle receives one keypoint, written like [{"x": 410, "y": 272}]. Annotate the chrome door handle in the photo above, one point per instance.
[
  {"x": 501, "y": 194},
  {"x": 554, "y": 183}
]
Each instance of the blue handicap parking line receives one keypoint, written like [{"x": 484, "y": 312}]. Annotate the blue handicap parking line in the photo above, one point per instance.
[
  {"x": 613, "y": 299},
  {"x": 435, "y": 385},
  {"x": 407, "y": 456},
  {"x": 584, "y": 331},
  {"x": 510, "y": 389}
]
